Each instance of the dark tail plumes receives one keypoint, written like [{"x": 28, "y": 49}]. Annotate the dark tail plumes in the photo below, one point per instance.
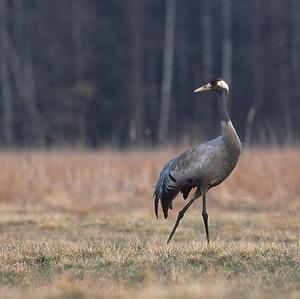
[
  {"x": 165, "y": 190},
  {"x": 156, "y": 200}
]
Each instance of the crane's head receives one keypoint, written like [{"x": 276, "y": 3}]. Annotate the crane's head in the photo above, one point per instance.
[{"x": 217, "y": 84}]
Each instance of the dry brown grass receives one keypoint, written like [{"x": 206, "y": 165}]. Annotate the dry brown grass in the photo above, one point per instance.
[
  {"x": 111, "y": 180},
  {"x": 80, "y": 224},
  {"x": 62, "y": 255}
]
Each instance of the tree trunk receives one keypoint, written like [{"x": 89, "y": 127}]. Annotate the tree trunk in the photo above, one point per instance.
[
  {"x": 77, "y": 8},
  {"x": 227, "y": 41},
  {"x": 207, "y": 64},
  {"x": 166, "y": 87},
  {"x": 23, "y": 74},
  {"x": 295, "y": 60},
  {"x": 207, "y": 58},
  {"x": 256, "y": 69},
  {"x": 6, "y": 92},
  {"x": 137, "y": 83}
]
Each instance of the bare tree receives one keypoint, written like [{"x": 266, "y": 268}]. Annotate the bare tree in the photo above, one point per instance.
[
  {"x": 207, "y": 60},
  {"x": 226, "y": 41},
  {"x": 181, "y": 76},
  {"x": 137, "y": 88},
  {"x": 78, "y": 14},
  {"x": 6, "y": 88},
  {"x": 168, "y": 57},
  {"x": 206, "y": 34},
  {"x": 20, "y": 61},
  {"x": 257, "y": 69},
  {"x": 295, "y": 10}
]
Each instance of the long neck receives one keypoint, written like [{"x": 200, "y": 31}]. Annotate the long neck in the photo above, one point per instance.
[
  {"x": 229, "y": 134},
  {"x": 224, "y": 116}
]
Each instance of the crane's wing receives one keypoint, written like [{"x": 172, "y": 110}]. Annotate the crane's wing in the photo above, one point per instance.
[{"x": 181, "y": 174}]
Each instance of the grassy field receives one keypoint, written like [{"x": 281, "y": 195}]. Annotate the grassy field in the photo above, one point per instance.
[{"x": 80, "y": 225}]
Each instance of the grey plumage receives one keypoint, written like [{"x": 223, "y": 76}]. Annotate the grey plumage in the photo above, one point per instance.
[{"x": 203, "y": 166}]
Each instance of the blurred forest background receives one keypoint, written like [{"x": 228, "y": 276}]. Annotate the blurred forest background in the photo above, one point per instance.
[{"x": 122, "y": 73}]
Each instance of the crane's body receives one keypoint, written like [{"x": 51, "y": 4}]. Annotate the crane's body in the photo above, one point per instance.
[{"x": 202, "y": 167}]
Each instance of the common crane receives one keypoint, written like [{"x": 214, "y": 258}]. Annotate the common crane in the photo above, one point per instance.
[{"x": 201, "y": 167}]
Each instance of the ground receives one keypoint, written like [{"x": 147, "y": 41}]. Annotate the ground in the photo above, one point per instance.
[{"x": 81, "y": 225}]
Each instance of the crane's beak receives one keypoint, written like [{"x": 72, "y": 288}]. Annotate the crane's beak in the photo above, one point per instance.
[{"x": 204, "y": 88}]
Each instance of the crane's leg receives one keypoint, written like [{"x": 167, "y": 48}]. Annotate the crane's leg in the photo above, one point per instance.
[
  {"x": 182, "y": 212},
  {"x": 205, "y": 217}
]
